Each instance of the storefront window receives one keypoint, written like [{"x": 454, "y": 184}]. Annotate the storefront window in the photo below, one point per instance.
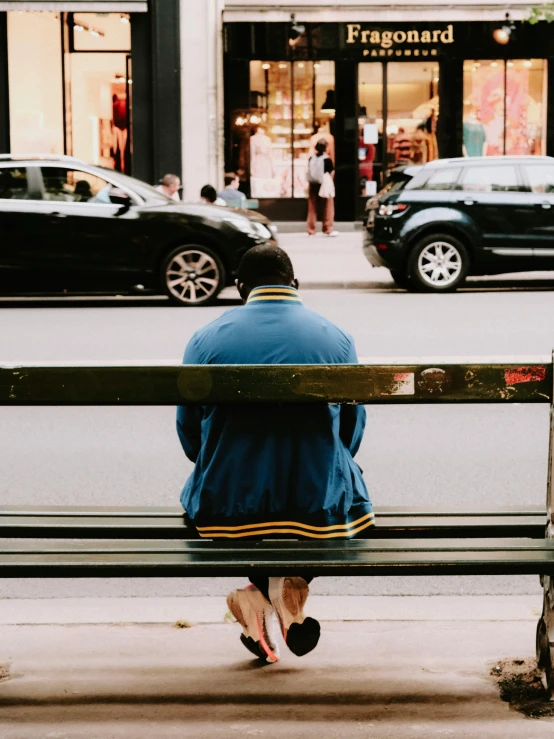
[
  {"x": 401, "y": 98},
  {"x": 100, "y": 85},
  {"x": 503, "y": 107},
  {"x": 35, "y": 83},
  {"x": 292, "y": 105}
]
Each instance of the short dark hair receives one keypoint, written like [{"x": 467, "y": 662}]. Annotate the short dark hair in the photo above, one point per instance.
[
  {"x": 208, "y": 192},
  {"x": 265, "y": 265},
  {"x": 321, "y": 146},
  {"x": 230, "y": 177}
]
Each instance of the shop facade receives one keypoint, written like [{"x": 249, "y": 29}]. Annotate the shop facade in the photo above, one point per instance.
[
  {"x": 97, "y": 80},
  {"x": 382, "y": 94}
]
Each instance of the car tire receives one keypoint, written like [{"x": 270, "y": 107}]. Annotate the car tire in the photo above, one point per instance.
[
  {"x": 192, "y": 274},
  {"x": 438, "y": 263},
  {"x": 402, "y": 279}
]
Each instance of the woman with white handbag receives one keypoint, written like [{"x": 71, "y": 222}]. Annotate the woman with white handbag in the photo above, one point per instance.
[{"x": 321, "y": 191}]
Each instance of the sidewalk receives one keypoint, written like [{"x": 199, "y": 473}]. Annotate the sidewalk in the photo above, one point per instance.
[
  {"x": 413, "y": 668},
  {"x": 324, "y": 263}
]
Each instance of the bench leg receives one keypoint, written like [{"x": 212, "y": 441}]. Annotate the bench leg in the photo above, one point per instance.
[
  {"x": 545, "y": 636},
  {"x": 545, "y": 627}
]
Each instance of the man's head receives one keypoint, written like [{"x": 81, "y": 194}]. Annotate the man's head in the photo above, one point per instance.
[
  {"x": 231, "y": 180},
  {"x": 171, "y": 183},
  {"x": 264, "y": 265}
]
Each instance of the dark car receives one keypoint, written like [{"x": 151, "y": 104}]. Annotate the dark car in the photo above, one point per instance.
[
  {"x": 67, "y": 226},
  {"x": 434, "y": 224}
]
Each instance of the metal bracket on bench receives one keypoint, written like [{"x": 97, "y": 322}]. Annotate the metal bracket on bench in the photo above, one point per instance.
[{"x": 545, "y": 627}]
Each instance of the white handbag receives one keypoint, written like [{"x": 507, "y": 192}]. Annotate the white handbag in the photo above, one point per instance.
[{"x": 327, "y": 189}]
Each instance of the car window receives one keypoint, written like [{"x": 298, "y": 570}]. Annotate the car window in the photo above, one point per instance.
[
  {"x": 500, "y": 178},
  {"x": 442, "y": 179},
  {"x": 74, "y": 186},
  {"x": 13, "y": 183},
  {"x": 540, "y": 177}
]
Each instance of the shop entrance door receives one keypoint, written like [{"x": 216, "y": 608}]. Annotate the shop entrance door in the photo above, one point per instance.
[{"x": 398, "y": 108}]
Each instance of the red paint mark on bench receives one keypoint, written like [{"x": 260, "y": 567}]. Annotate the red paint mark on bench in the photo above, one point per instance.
[{"x": 525, "y": 374}]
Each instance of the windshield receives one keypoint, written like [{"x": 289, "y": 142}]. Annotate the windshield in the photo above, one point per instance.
[{"x": 141, "y": 188}]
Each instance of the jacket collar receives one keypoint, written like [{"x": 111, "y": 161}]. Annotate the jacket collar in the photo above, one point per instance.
[{"x": 274, "y": 293}]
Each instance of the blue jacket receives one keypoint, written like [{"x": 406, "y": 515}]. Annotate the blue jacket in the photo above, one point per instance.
[{"x": 273, "y": 470}]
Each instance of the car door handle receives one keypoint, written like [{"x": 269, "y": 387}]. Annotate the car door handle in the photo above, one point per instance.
[{"x": 467, "y": 201}]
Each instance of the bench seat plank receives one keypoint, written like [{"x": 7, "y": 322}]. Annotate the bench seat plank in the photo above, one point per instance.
[
  {"x": 168, "y": 523},
  {"x": 356, "y": 557}
]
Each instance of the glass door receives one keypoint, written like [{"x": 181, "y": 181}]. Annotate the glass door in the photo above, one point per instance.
[{"x": 398, "y": 108}]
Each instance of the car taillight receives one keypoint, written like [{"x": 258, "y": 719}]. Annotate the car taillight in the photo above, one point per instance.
[{"x": 391, "y": 210}]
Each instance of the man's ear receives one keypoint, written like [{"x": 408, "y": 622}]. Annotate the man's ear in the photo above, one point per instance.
[
  {"x": 242, "y": 290},
  {"x": 295, "y": 283}
]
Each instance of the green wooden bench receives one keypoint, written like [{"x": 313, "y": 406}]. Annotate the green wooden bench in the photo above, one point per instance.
[{"x": 40, "y": 541}]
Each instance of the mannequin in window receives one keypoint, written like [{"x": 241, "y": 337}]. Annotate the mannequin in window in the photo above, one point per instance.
[
  {"x": 261, "y": 155},
  {"x": 322, "y": 131},
  {"x": 419, "y": 150},
  {"x": 475, "y": 137}
]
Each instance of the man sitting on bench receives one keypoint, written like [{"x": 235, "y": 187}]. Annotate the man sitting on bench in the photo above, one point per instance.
[{"x": 273, "y": 471}]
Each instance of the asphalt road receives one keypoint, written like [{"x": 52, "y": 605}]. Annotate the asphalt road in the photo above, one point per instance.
[{"x": 447, "y": 455}]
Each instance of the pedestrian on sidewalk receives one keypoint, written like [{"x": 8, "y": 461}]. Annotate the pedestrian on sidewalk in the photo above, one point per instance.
[
  {"x": 321, "y": 192},
  {"x": 231, "y": 193},
  {"x": 284, "y": 471},
  {"x": 208, "y": 195},
  {"x": 169, "y": 186}
]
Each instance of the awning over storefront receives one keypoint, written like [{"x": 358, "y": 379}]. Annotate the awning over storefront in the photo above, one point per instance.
[
  {"x": 75, "y": 6},
  {"x": 329, "y": 11}
]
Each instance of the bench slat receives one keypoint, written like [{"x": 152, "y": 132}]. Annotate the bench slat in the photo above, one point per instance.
[
  {"x": 487, "y": 382},
  {"x": 428, "y": 557},
  {"x": 387, "y": 525}
]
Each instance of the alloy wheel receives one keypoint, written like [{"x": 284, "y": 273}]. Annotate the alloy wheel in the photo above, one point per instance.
[
  {"x": 439, "y": 264},
  {"x": 192, "y": 276}
]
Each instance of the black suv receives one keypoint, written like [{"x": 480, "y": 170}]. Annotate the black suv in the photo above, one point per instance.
[
  {"x": 67, "y": 226},
  {"x": 433, "y": 225}
]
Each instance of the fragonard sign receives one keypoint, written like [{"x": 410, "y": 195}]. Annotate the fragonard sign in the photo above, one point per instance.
[
  {"x": 388, "y": 39},
  {"x": 401, "y": 41}
]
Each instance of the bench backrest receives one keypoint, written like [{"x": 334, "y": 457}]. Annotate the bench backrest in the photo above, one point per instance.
[
  {"x": 414, "y": 382},
  {"x": 439, "y": 382}
]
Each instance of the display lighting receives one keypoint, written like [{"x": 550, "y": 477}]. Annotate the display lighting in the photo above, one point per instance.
[
  {"x": 78, "y": 27},
  {"x": 266, "y": 66},
  {"x": 527, "y": 63},
  {"x": 124, "y": 18},
  {"x": 494, "y": 64},
  {"x": 296, "y": 31},
  {"x": 505, "y": 32},
  {"x": 510, "y": 64}
]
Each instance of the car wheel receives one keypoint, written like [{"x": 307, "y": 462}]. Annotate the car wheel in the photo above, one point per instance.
[
  {"x": 192, "y": 275},
  {"x": 438, "y": 263},
  {"x": 402, "y": 279}
]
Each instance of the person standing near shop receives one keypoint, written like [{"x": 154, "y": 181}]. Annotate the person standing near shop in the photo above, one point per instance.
[
  {"x": 320, "y": 171},
  {"x": 169, "y": 186},
  {"x": 231, "y": 193}
]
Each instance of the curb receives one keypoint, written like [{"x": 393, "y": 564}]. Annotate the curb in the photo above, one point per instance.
[{"x": 213, "y": 610}]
